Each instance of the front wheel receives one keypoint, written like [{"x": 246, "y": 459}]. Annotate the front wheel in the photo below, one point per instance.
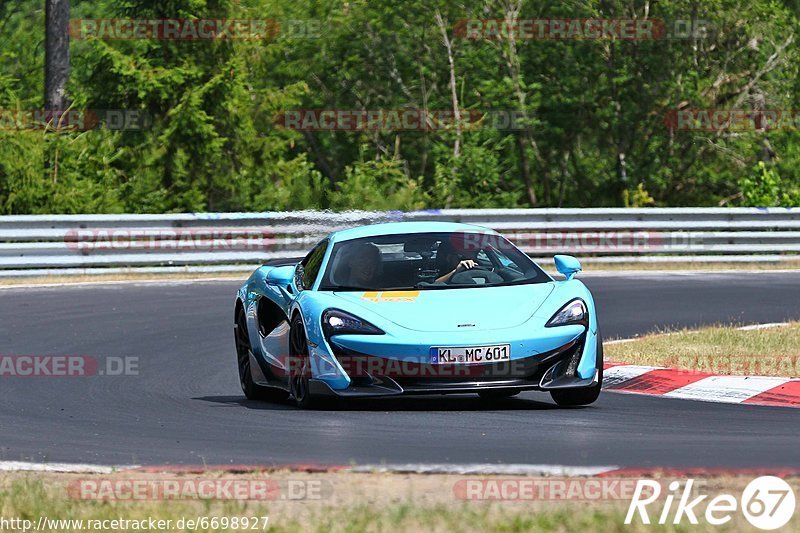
[
  {"x": 300, "y": 366},
  {"x": 585, "y": 395}
]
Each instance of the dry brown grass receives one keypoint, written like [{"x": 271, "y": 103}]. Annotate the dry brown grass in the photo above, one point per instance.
[{"x": 720, "y": 350}]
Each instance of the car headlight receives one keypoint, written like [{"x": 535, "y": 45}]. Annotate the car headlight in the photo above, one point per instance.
[
  {"x": 337, "y": 322},
  {"x": 574, "y": 312}
]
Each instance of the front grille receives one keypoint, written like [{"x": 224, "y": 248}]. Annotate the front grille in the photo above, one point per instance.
[{"x": 365, "y": 369}]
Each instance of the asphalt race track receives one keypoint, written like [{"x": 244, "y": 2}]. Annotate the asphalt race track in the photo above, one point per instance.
[{"x": 185, "y": 405}]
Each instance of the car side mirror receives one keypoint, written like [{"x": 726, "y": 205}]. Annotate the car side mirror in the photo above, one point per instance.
[
  {"x": 567, "y": 265},
  {"x": 298, "y": 277}
]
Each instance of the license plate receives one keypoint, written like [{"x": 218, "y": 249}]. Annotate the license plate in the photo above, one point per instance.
[{"x": 470, "y": 355}]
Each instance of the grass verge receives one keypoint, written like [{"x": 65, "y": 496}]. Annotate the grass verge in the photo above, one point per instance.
[
  {"x": 357, "y": 502},
  {"x": 588, "y": 266},
  {"x": 725, "y": 350}
]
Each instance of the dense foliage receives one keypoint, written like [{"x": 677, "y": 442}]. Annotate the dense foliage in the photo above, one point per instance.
[{"x": 595, "y": 127}]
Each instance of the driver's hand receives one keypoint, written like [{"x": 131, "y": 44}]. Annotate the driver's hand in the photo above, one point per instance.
[{"x": 466, "y": 264}]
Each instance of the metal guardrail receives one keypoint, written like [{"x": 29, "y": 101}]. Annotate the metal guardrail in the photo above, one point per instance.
[{"x": 63, "y": 244}]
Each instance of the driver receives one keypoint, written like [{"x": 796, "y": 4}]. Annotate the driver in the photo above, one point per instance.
[
  {"x": 451, "y": 262},
  {"x": 363, "y": 262}
]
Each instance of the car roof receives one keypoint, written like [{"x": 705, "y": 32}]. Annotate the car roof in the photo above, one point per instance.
[{"x": 398, "y": 228}]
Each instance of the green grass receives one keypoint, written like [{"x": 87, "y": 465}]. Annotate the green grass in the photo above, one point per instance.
[{"x": 720, "y": 350}]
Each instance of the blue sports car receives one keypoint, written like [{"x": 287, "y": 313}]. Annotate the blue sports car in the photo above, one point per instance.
[{"x": 417, "y": 308}]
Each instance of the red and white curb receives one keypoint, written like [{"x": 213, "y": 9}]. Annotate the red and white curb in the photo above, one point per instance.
[
  {"x": 474, "y": 469},
  {"x": 702, "y": 386}
]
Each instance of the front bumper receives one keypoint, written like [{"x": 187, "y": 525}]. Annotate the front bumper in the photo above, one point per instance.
[{"x": 378, "y": 376}]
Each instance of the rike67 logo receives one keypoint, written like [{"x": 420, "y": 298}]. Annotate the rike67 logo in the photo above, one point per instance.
[{"x": 768, "y": 503}]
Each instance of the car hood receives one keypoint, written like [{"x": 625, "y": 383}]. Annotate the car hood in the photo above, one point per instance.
[{"x": 462, "y": 309}]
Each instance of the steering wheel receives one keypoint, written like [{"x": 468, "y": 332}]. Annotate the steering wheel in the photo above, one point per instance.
[{"x": 470, "y": 276}]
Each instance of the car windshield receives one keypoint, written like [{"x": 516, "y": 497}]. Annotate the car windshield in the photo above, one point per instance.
[{"x": 428, "y": 261}]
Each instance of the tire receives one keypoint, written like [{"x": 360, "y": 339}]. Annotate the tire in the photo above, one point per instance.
[
  {"x": 497, "y": 394},
  {"x": 584, "y": 395},
  {"x": 250, "y": 389},
  {"x": 300, "y": 367}
]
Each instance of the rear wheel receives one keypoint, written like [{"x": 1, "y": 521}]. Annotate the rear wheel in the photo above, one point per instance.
[
  {"x": 584, "y": 395},
  {"x": 497, "y": 394},
  {"x": 251, "y": 390},
  {"x": 300, "y": 366}
]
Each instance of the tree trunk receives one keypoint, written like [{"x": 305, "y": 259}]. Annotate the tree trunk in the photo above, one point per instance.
[
  {"x": 56, "y": 54},
  {"x": 526, "y": 171}
]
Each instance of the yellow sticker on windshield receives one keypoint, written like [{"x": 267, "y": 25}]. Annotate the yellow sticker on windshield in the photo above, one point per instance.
[{"x": 390, "y": 296}]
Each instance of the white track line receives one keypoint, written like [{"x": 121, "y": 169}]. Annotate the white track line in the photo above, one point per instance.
[
  {"x": 590, "y": 272},
  {"x": 22, "y": 466},
  {"x": 750, "y": 327},
  {"x": 726, "y": 389},
  {"x": 763, "y": 326},
  {"x": 408, "y": 468},
  {"x": 621, "y": 341},
  {"x": 620, "y": 374},
  {"x": 485, "y": 469},
  {"x": 69, "y": 284}
]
